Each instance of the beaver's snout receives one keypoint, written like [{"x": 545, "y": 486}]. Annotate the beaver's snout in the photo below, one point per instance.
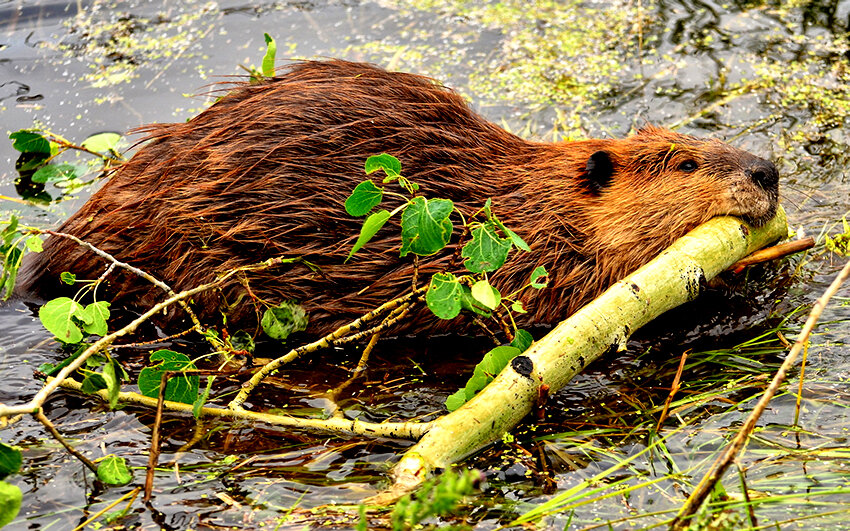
[{"x": 763, "y": 173}]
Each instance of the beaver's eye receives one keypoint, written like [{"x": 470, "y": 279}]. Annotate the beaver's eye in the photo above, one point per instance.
[{"x": 688, "y": 166}]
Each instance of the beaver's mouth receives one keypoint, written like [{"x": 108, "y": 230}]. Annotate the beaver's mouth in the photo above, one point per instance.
[
  {"x": 758, "y": 220},
  {"x": 754, "y": 203}
]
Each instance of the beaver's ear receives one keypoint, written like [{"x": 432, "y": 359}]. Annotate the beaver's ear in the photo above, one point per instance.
[{"x": 599, "y": 171}]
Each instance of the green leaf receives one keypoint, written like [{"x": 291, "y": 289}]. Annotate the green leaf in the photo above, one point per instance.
[
  {"x": 112, "y": 373},
  {"x": 443, "y": 296},
  {"x": 517, "y": 307},
  {"x": 269, "y": 57},
  {"x": 50, "y": 369},
  {"x": 202, "y": 398},
  {"x": 29, "y": 142},
  {"x": 470, "y": 303},
  {"x": 180, "y": 388},
  {"x": 113, "y": 470},
  {"x": 522, "y": 340},
  {"x": 425, "y": 226},
  {"x": 539, "y": 277},
  {"x": 11, "y": 460},
  {"x": 386, "y": 162},
  {"x": 94, "y": 317},
  {"x": 455, "y": 400},
  {"x": 53, "y": 173},
  {"x": 34, "y": 243},
  {"x": 68, "y": 278},
  {"x": 242, "y": 340},
  {"x": 489, "y": 367},
  {"x": 11, "y": 266},
  {"x": 487, "y": 251},
  {"x": 11, "y": 230},
  {"x": 281, "y": 320},
  {"x": 103, "y": 143},
  {"x": 515, "y": 239},
  {"x": 10, "y": 502},
  {"x": 363, "y": 199},
  {"x": 93, "y": 383},
  {"x": 370, "y": 227},
  {"x": 56, "y": 317},
  {"x": 486, "y": 294}
]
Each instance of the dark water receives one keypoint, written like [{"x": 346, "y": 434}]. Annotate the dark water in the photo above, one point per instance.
[{"x": 62, "y": 65}]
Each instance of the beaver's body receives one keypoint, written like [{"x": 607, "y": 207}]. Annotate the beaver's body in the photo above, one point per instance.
[{"x": 265, "y": 171}]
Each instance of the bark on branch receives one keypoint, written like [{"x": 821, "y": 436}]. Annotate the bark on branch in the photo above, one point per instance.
[{"x": 676, "y": 276}]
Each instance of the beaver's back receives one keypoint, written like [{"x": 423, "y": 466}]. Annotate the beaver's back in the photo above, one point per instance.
[{"x": 265, "y": 171}]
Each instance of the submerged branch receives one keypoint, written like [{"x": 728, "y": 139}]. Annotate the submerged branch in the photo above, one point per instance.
[{"x": 336, "y": 425}]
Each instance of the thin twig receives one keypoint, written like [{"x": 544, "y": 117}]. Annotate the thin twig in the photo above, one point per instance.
[
  {"x": 772, "y": 253},
  {"x": 333, "y": 395},
  {"x": 324, "y": 342},
  {"x": 674, "y": 388},
  {"x": 56, "y": 435},
  {"x": 135, "y": 270},
  {"x": 132, "y": 495},
  {"x": 392, "y": 430},
  {"x": 705, "y": 487}
]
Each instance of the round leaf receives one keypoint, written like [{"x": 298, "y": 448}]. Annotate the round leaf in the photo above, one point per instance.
[
  {"x": 443, "y": 296},
  {"x": 180, "y": 388},
  {"x": 102, "y": 142},
  {"x": 487, "y": 251},
  {"x": 53, "y": 173},
  {"x": 94, "y": 317},
  {"x": 113, "y": 470},
  {"x": 34, "y": 243},
  {"x": 486, "y": 294},
  {"x": 10, "y": 460},
  {"x": 364, "y": 198},
  {"x": 10, "y": 502},
  {"x": 425, "y": 226},
  {"x": 29, "y": 142},
  {"x": 280, "y": 321},
  {"x": 384, "y": 161},
  {"x": 56, "y": 317}
]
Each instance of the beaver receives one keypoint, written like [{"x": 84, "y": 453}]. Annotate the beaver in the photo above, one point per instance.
[{"x": 264, "y": 172}]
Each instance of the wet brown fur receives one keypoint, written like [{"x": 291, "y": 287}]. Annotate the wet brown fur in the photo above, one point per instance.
[{"x": 265, "y": 171}]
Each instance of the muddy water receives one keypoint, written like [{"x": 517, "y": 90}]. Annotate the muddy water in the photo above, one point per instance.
[{"x": 80, "y": 68}]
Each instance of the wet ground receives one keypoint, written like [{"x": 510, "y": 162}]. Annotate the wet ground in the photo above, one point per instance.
[{"x": 766, "y": 76}]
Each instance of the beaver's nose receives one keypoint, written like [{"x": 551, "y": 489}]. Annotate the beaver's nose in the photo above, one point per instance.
[{"x": 763, "y": 173}]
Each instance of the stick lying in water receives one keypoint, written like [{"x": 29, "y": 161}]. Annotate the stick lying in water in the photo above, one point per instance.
[{"x": 604, "y": 325}]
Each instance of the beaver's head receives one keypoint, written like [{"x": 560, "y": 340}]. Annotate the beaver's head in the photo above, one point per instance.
[
  {"x": 692, "y": 176},
  {"x": 646, "y": 190}
]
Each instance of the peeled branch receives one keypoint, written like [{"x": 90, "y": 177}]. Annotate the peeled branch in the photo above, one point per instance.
[{"x": 604, "y": 325}]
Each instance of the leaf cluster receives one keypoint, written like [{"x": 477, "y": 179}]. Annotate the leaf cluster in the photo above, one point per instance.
[
  {"x": 39, "y": 161},
  {"x": 426, "y": 229},
  {"x": 15, "y": 241},
  {"x": 840, "y": 243},
  {"x": 437, "y": 497}
]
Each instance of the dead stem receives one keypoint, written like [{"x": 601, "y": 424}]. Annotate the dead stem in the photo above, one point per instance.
[{"x": 39, "y": 415}]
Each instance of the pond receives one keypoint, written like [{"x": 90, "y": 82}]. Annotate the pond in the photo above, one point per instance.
[{"x": 770, "y": 77}]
